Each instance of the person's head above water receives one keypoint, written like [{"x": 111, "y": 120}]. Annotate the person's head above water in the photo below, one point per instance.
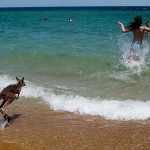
[
  {"x": 148, "y": 23},
  {"x": 135, "y": 24}
]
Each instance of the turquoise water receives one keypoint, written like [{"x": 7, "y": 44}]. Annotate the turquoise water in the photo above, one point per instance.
[{"x": 82, "y": 61}]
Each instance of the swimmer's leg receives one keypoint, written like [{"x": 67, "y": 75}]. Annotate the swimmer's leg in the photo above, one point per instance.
[{"x": 133, "y": 55}]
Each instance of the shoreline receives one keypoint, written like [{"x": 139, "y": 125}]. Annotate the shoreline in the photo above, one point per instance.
[{"x": 35, "y": 126}]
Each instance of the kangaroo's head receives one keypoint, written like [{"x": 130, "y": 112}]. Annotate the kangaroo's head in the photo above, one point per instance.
[{"x": 20, "y": 81}]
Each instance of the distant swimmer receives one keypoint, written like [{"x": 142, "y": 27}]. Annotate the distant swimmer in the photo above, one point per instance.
[
  {"x": 70, "y": 20},
  {"x": 45, "y": 19},
  {"x": 147, "y": 25},
  {"x": 138, "y": 36}
]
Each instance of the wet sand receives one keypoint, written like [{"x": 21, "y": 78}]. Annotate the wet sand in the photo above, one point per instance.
[{"x": 36, "y": 127}]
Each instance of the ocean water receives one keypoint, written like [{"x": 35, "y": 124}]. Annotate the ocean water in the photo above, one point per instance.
[{"x": 79, "y": 66}]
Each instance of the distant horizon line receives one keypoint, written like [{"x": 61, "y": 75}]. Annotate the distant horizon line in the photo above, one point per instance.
[{"x": 66, "y": 6}]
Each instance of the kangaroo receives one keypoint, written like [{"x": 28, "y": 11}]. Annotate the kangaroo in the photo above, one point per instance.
[{"x": 8, "y": 94}]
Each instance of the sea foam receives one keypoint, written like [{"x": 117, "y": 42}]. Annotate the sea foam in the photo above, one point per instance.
[{"x": 109, "y": 109}]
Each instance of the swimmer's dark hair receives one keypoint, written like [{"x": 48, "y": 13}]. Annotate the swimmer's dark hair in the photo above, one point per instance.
[{"x": 135, "y": 24}]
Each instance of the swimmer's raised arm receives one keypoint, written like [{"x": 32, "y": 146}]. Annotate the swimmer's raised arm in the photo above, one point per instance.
[{"x": 122, "y": 27}]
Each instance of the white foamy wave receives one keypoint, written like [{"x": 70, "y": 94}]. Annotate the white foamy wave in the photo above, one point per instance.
[
  {"x": 5, "y": 81},
  {"x": 109, "y": 109}
]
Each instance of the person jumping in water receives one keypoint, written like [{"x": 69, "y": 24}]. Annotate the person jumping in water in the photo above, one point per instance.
[
  {"x": 138, "y": 36},
  {"x": 147, "y": 25}
]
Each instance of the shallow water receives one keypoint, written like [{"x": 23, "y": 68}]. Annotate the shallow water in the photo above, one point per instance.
[{"x": 79, "y": 66}]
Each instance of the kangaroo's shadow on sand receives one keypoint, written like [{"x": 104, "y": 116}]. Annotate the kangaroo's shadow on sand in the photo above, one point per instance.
[{"x": 14, "y": 117}]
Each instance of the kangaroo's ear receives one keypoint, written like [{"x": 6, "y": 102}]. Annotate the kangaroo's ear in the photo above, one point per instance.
[
  {"x": 17, "y": 79},
  {"x": 22, "y": 78}
]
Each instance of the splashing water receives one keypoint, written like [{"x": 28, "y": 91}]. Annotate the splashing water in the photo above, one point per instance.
[{"x": 133, "y": 66}]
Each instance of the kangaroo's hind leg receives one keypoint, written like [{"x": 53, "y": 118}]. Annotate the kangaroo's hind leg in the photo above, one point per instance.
[
  {"x": 7, "y": 100},
  {"x": 2, "y": 104},
  {"x": 2, "y": 110},
  {"x": 4, "y": 114}
]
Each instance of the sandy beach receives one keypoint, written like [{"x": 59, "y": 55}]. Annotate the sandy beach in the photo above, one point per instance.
[{"x": 36, "y": 127}]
